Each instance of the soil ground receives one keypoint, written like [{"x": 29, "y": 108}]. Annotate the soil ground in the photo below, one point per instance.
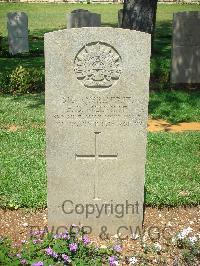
[
  {"x": 162, "y": 125},
  {"x": 154, "y": 125},
  {"x": 160, "y": 225}
]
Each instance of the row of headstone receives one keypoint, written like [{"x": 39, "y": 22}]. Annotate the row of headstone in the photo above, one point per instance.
[
  {"x": 185, "y": 48},
  {"x": 96, "y": 115},
  {"x": 83, "y": 18},
  {"x": 17, "y": 24},
  {"x": 185, "y": 66}
]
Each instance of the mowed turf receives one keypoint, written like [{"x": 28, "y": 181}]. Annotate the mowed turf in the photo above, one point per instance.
[
  {"x": 48, "y": 17},
  {"x": 172, "y": 106},
  {"x": 52, "y": 16},
  {"x": 172, "y": 170}
]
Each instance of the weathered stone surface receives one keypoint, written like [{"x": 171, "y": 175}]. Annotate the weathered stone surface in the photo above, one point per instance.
[
  {"x": 96, "y": 116},
  {"x": 186, "y": 48},
  {"x": 83, "y": 18},
  {"x": 17, "y": 24}
]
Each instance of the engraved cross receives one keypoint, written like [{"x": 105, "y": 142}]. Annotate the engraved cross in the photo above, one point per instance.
[{"x": 96, "y": 156}]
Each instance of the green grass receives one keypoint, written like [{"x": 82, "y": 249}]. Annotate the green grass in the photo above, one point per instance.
[
  {"x": 22, "y": 110},
  {"x": 28, "y": 110},
  {"x": 175, "y": 106},
  {"x": 48, "y": 17},
  {"x": 173, "y": 169},
  {"x": 23, "y": 179},
  {"x": 172, "y": 174}
]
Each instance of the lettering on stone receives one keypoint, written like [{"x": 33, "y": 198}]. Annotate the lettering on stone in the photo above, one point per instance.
[{"x": 104, "y": 111}]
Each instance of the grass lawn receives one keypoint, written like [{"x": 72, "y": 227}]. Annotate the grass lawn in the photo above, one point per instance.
[
  {"x": 48, "y": 17},
  {"x": 172, "y": 106},
  {"x": 172, "y": 173}
]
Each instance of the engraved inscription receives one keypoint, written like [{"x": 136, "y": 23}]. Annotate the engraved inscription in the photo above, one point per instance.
[
  {"x": 98, "y": 65},
  {"x": 101, "y": 111}
]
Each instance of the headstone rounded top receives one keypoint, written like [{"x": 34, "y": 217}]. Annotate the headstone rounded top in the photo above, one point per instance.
[
  {"x": 17, "y": 24},
  {"x": 79, "y": 10},
  {"x": 16, "y": 13},
  {"x": 194, "y": 12},
  {"x": 98, "y": 30}
]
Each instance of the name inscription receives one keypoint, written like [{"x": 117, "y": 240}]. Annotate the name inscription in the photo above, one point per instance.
[{"x": 103, "y": 111}]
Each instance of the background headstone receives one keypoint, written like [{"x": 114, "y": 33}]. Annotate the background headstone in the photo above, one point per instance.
[
  {"x": 83, "y": 18},
  {"x": 186, "y": 48},
  {"x": 96, "y": 115},
  {"x": 17, "y": 23}
]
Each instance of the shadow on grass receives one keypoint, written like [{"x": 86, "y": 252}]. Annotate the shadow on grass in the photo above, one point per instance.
[
  {"x": 33, "y": 100},
  {"x": 36, "y": 40},
  {"x": 175, "y": 106},
  {"x": 38, "y": 101},
  {"x": 35, "y": 57},
  {"x": 112, "y": 25},
  {"x": 160, "y": 60},
  {"x": 161, "y": 56},
  {"x": 163, "y": 39}
]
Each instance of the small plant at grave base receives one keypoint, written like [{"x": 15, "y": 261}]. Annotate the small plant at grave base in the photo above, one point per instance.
[
  {"x": 71, "y": 247},
  {"x": 155, "y": 248},
  {"x": 22, "y": 80},
  {"x": 190, "y": 246}
]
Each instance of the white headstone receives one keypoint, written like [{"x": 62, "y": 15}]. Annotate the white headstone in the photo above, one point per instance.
[
  {"x": 186, "y": 48},
  {"x": 83, "y": 18},
  {"x": 17, "y": 23},
  {"x": 97, "y": 83}
]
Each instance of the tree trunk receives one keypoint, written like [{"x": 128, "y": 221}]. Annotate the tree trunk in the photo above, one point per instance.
[{"x": 140, "y": 15}]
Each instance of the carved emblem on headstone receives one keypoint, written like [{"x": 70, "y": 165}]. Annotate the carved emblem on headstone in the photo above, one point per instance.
[{"x": 98, "y": 65}]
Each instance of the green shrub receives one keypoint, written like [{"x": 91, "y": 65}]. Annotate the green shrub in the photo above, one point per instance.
[
  {"x": 189, "y": 246},
  {"x": 4, "y": 82},
  {"x": 25, "y": 80},
  {"x": 22, "y": 80},
  {"x": 160, "y": 73}
]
